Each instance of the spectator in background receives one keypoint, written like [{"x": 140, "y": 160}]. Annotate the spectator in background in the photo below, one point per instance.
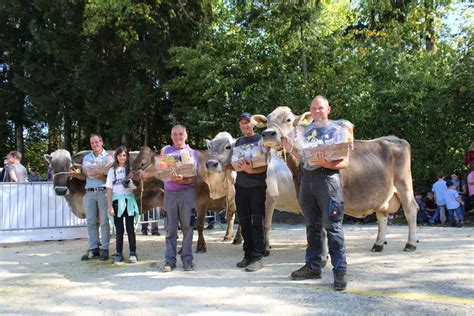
[
  {"x": 453, "y": 204},
  {"x": 431, "y": 208},
  {"x": 49, "y": 174},
  {"x": 461, "y": 187},
  {"x": 470, "y": 184},
  {"x": 439, "y": 187},
  {"x": 16, "y": 172},
  {"x": 3, "y": 174},
  {"x": 33, "y": 176},
  {"x": 421, "y": 216}
]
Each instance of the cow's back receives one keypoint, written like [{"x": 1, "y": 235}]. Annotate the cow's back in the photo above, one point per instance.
[{"x": 378, "y": 168}]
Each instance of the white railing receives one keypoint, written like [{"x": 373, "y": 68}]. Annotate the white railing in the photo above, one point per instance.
[{"x": 32, "y": 211}]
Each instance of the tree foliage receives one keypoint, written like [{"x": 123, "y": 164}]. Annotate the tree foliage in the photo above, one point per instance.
[{"x": 130, "y": 69}]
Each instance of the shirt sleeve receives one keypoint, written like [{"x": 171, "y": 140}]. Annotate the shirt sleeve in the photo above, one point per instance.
[{"x": 110, "y": 178}]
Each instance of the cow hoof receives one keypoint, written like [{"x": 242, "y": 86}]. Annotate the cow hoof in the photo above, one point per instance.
[
  {"x": 227, "y": 238},
  {"x": 201, "y": 249},
  {"x": 180, "y": 251},
  {"x": 377, "y": 248},
  {"x": 409, "y": 248},
  {"x": 385, "y": 242},
  {"x": 266, "y": 253},
  {"x": 237, "y": 242}
]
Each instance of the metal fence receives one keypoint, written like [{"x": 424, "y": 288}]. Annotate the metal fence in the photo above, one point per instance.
[{"x": 32, "y": 211}]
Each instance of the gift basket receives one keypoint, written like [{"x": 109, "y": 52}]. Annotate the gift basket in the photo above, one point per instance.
[
  {"x": 182, "y": 164},
  {"x": 334, "y": 148},
  {"x": 257, "y": 155},
  {"x": 100, "y": 164}
]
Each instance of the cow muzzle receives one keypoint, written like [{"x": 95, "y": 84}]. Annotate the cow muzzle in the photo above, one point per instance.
[
  {"x": 61, "y": 190},
  {"x": 271, "y": 138},
  {"x": 128, "y": 184},
  {"x": 213, "y": 165}
]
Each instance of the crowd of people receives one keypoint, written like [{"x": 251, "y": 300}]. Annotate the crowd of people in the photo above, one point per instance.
[
  {"x": 448, "y": 200},
  {"x": 14, "y": 171}
]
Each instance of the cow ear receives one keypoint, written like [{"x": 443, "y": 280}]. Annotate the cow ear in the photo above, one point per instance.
[
  {"x": 48, "y": 157},
  {"x": 207, "y": 143},
  {"x": 303, "y": 119},
  {"x": 77, "y": 158},
  {"x": 259, "y": 120}
]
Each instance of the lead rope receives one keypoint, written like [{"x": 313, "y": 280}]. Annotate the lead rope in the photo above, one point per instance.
[{"x": 291, "y": 141}]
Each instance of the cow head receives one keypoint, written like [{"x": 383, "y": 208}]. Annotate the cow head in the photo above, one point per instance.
[
  {"x": 143, "y": 160},
  {"x": 61, "y": 164},
  {"x": 279, "y": 123},
  {"x": 220, "y": 150}
]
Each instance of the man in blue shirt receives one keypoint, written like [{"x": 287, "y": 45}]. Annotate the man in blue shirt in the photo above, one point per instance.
[{"x": 95, "y": 200}]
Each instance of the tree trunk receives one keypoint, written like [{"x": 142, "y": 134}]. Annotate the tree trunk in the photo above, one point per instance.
[
  {"x": 78, "y": 139},
  {"x": 145, "y": 131},
  {"x": 304, "y": 63},
  {"x": 67, "y": 133},
  {"x": 54, "y": 141},
  {"x": 125, "y": 140},
  {"x": 430, "y": 32},
  {"x": 20, "y": 142}
]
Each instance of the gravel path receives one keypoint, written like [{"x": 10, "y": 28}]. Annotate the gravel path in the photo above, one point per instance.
[{"x": 437, "y": 279}]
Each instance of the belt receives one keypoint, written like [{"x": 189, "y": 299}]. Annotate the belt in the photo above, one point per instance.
[{"x": 98, "y": 189}]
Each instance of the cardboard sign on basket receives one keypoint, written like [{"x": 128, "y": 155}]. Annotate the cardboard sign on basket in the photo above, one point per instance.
[
  {"x": 255, "y": 153},
  {"x": 183, "y": 165}
]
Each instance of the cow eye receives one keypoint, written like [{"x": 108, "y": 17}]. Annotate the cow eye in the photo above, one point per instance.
[
  {"x": 227, "y": 147},
  {"x": 288, "y": 120}
]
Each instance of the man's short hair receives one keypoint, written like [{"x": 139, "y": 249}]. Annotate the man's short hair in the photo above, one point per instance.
[
  {"x": 323, "y": 98},
  {"x": 96, "y": 135},
  {"x": 449, "y": 183},
  {"x": 15, "y": 154},
  {"x": 440, "y": 174},
  {"x": 180, "y": 127}
]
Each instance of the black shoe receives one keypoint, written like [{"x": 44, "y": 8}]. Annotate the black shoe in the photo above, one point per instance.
[
  {"x": 244, "y": 262},
  {"x": 157, "y": 233},
  {"x": 254, "y": 266},
  {"x": 91, "y": 254},
  {"x": 188, "y": 266},
  {"x": 144, "y": 232},
  {"x": 210, "y": 226},
  {"x": 340, "y": 281},
  {"x": 460, "y": 224},
  {"x": 104, "y": 255},
  {"x": 305, "y": 272},
  {"x": 118, "y": 259}
]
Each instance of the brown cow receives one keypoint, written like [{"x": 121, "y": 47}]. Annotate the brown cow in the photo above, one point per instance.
[{"x": 378, "y": 178}]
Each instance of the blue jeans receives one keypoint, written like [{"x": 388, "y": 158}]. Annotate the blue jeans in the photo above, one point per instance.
[
  {"x": 459, "y": 214},
  {"x": 95, "y": 203}
]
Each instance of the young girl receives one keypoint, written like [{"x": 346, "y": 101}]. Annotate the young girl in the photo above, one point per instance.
[{"x": 121, "y": 204}]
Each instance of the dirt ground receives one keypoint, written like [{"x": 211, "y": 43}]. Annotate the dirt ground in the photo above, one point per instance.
[{"x": 437, "y": 279}]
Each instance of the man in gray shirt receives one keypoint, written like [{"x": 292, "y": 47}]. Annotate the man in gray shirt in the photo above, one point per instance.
[{"x": 16, "y": 172}]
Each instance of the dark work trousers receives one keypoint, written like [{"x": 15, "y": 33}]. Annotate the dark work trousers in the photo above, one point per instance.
[
  {"x": 129, "y": 223},
  {"x": 250, "y": 204},
  {"x": 322, "y": 202}
]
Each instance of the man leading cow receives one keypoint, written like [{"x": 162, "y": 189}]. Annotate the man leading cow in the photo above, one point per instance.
[
  {"x": 95, "y": 201},
  {"x": 321, "y": 199}
]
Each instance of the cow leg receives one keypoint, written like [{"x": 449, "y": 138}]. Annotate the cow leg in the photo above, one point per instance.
[
  {"x": 230, "y": 221},
  {"x": 270, "y": 203},
  {"x": 410, "y": 208},
  {"x": 201, "y": 244},
  {"x": 382, "y": 220},
  {"x": 238, "y": 239}
]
